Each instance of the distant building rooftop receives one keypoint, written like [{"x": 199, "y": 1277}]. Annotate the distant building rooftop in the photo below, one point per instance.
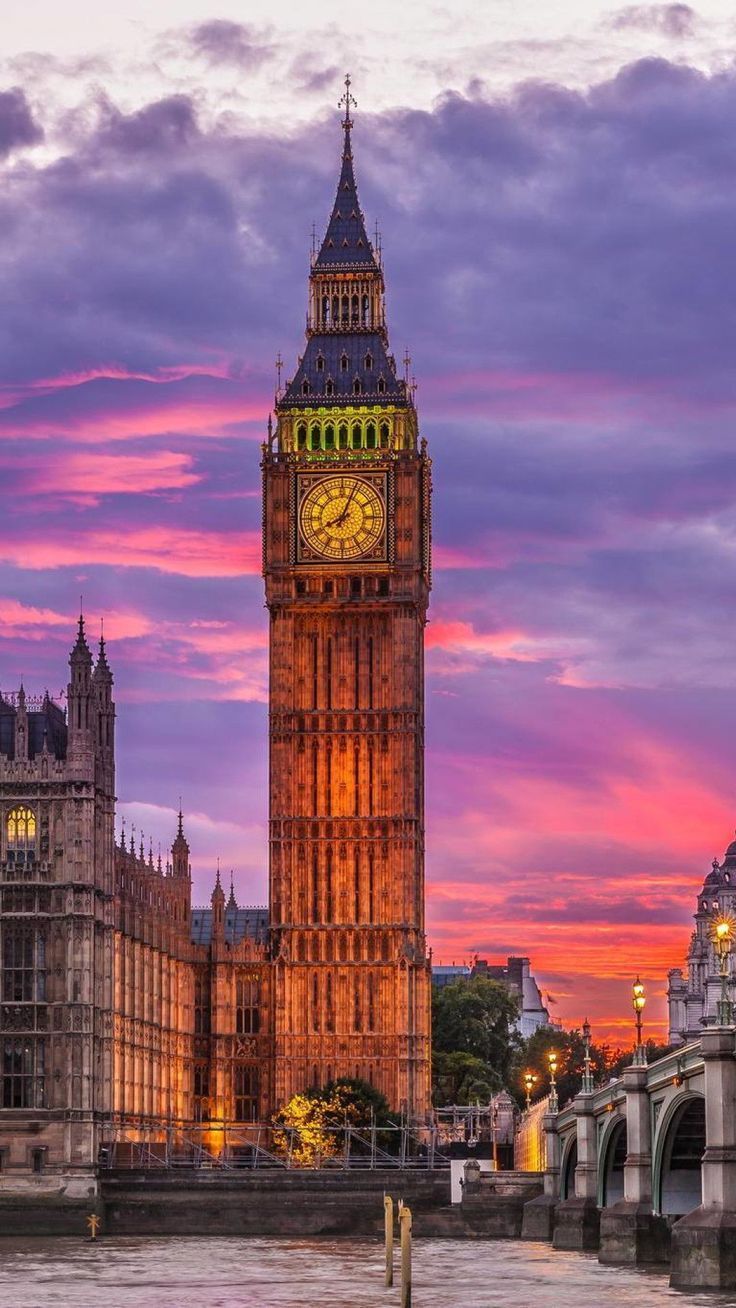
[{"x": 239, "y": 923}]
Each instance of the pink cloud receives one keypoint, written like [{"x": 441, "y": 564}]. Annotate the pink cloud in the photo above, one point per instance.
[
  {"x": 111, "y": 474},
  {"x": 187, "y": 553},
  {"x": 112, "y": 407}
]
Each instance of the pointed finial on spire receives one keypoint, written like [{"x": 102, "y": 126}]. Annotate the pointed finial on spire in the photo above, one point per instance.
[
  {"x": 217, "y": 878},
  {"x": 349, "y": 101},
  {"x": 158, "y": 864},
  {"x": 180, "y": 831}
]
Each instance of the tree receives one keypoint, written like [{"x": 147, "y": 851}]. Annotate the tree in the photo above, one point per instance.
[
  {"x": 359, "y": 1102},
  {"x": 460, "y": 1078},
  {"x": 310, "y": 1127},
  {"x": 474, "y": 1038}
]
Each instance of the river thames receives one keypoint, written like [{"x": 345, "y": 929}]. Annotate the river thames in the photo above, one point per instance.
[{"x": 253, "y": 1273}]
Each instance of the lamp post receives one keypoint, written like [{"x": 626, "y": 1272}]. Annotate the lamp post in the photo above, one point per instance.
[
  {"x": 638, "y": 999},
  {"x": 530, "y": 1080},
  {"x": 587, "y": 1086},
  {"x": 552, "y": 1060},
  {"x": 722, "y": 932}
]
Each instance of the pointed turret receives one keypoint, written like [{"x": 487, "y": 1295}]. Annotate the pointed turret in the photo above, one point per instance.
[
  {"x": 180, "y": 851},
  {"x": 232, "y": 903},
  {"x": 21, "y": 725},
  {"x": 218, "y": 907},
  {"x": 102, "y": 682},
  {"x": 80, "y": 703}
]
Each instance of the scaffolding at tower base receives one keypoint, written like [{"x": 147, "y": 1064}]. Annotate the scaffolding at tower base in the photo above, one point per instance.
[{"x": 235, "y": 1146}]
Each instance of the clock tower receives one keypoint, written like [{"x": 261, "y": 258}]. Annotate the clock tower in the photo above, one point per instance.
[{"x": 346, "y": 541}]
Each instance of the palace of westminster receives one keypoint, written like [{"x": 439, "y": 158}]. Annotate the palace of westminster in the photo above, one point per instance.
[{"x": 121, "y": 1003}]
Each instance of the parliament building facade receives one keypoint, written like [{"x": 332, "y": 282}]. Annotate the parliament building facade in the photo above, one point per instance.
[{"x": 121, "y": 1005}]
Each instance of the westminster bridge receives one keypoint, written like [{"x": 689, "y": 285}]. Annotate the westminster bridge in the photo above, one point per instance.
[{"x": 644, "y": 1168}]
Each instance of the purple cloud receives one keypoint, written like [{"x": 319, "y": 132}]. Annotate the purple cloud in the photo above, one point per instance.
[
  {"x": 18, "y": 127},
  {"x": 221, "y": 41},
  {"x": 675, "y": 20}
]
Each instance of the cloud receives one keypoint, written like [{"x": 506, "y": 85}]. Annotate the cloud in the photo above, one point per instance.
[
  {"x": 221, "y": 41},
  {"x": 187, "y": 553},
  {"x": 17, "y": 124},
  {"x": 168, "y": 124},
  {"x": 87, "y": 478},
  {"x": 673, "y": 20}
]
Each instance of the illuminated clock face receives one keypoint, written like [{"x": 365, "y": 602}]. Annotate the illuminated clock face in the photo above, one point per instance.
[{"x": 342, "y": 518}]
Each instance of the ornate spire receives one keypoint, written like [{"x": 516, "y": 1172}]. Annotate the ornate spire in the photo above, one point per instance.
[
  {"x": 346, "y": 243},
  {"x": 232, "y": 902},
  {"x": 102, "y": 667},
  {"x": 81, "y": 652},
  {"x": 349, "y": 101}
]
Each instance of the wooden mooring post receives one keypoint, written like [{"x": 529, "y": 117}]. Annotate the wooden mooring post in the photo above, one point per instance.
[
  {"x": 388, "y": 1228},
  {"x": 405, "y": 1226}
]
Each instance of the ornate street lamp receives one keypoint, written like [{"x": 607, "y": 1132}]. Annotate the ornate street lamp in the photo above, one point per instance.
[
  {"x": 587, "y": 1086},
  {"x": 530, "y": 1080},
  {"x": 638, "y": 999},
  {"x": 553, "y": 1063},
  {"x": 722, "y": 935}
]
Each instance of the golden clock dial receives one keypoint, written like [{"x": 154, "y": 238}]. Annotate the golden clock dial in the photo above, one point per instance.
[{"x": 342, "y": 517}]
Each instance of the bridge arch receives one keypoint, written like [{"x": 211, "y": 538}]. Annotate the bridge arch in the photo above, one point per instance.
[
  {"x": 679, "y": 1149},
  {"x": 611, "y": 1158},
  {"x": 568, "y": 1163}
]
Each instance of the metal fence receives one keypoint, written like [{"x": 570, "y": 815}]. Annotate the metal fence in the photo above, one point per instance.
[{"x": 234, "y": 1146}]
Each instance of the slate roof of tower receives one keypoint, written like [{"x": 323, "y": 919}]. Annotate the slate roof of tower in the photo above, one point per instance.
[
  {"x": 239, "y": 923},
  {"x": 331, "y": 346},
  {"x": 346, "y": 240}
]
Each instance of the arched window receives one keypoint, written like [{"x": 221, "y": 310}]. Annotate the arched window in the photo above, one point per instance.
[
  {"x": 385, "y": 434},
  {"x": 364, "y": 307},
  {"x": 329, "y": 1006},
  {"x": 370, "y": 436},
  {"x": 381, "y": 386},
  {"x": 315, "y": 1002},
  {"x": 369, "y": 361},
  {"x": 306, "y": 388},
  {"x": 357, "y": 1011},
  {"x": 357, "y": 386},
  {"x": 320, "y": 363},
  {"x": 345, "y": 308},
  {"x": 301, "y": 436},
  {"x": 371, "y": 1002},
  {"x": 329, "y": 437},
  {"x": 355, "y": 309},
  {"x": 342, "y": 436},
  {"x": 356, "y": 436},
  {"x": 335, "y": 310},
  {"x": 343, "y": 362},
  {"x": 314, "y": 437},
  {"x": 329, "y": 888},
  {"x": 326, "y": 310},
  {"x": 20, "y": 829},
  {"x": 329, "y": 387}
]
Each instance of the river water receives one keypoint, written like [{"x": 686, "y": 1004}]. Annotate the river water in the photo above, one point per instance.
[{"x": 239, "y": 1273}]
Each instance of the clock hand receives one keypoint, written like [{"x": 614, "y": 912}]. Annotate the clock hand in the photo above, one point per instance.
[{"x": 336, "y": 522}]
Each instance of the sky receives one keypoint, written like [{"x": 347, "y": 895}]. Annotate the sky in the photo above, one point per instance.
[{"x": 555, "y": 186}]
